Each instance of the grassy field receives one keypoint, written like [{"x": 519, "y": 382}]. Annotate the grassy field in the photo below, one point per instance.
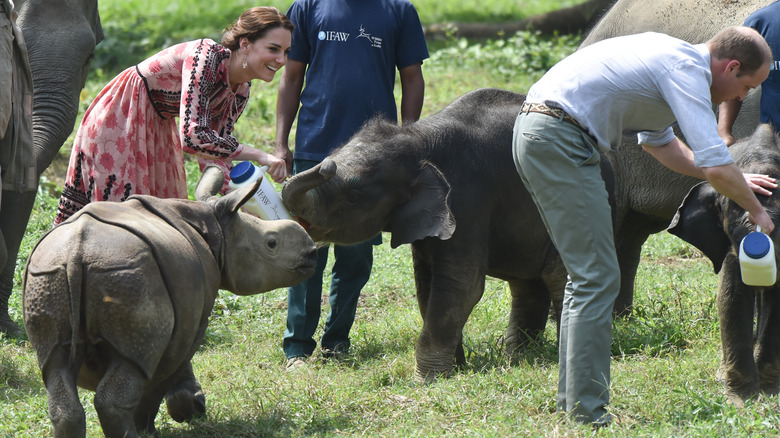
[{"x": 664, "y": 358}]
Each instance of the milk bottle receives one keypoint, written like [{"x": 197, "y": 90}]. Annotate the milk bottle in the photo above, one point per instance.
[
  {"x": 265, "y": 203},
  {"x": 757, "y": 259}
]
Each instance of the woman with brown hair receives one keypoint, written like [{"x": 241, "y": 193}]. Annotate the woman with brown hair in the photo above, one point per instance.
[{"x": 128, "y": 141}]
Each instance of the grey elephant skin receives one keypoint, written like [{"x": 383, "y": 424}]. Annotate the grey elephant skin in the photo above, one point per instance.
[
  {"x": 117, "y": 300},
  {"x": 447, "y": 185},
  {"x": 648, "y": 194},
  {"x": 61, "y": 39},
  {"x": 716, "y": 226}
]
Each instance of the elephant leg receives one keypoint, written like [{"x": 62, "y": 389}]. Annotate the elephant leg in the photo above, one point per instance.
[
  {"x": 116, "y": 398},
  {"x": 422, "y": 278},
  {"x": 735, "y": 311},
  {"x": 65, "y": 410},
  {"x": 12, "y": 228},
  {"x": 528, "y": 316},
  {"x": 186, "y": 400},
  {"x": 450, "y": 303},
  {"x": 555, "y": 277},
  {"x": 423, "y": 275},
  {"x": 628, "y": 246},
  {"x": 767, "y": 351}
]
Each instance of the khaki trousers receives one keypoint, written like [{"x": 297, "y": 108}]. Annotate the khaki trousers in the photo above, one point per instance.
[{"x": 559, "y": 164}]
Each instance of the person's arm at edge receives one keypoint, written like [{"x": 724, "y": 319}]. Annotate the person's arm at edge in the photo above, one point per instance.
[
  {"x": 727, "y": 114},
  {"x": 287, "y": 101},
  {"x": 727, "y": 179},
  {"x": 412, "y": 92}
]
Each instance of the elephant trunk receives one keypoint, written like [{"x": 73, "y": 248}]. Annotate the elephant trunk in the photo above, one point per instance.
[
  {"x": 296, "y": 193},
  {"x": 53, "y": 120}
]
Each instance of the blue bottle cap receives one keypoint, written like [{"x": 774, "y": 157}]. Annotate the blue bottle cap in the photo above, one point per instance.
[
  {"x": 756, "y": 245},
  {"x": 242, "y": 172}
]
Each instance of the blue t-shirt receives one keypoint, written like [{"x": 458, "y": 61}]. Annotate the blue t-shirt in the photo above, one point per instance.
[
  {"x": 352, "y": 48},
  {"x": 767, "y": 22}
]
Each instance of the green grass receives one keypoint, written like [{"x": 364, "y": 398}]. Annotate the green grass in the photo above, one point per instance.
[{"x": 664, "y": 358}]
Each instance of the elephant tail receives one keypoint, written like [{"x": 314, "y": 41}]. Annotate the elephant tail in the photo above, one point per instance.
[{"x": 75, "y": 276}]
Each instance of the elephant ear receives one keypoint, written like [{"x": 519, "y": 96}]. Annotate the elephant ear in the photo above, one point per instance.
[
  {"x": 426, "y": 213},
  {"x": 698, "y": 222}
]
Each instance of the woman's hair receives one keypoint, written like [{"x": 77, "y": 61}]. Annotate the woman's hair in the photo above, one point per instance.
[
  {"x": 743, "y": 44},
  {"x": 253, "y": 24}
]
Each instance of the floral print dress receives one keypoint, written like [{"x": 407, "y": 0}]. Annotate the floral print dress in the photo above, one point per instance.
[{"x": 128, "y": 141}]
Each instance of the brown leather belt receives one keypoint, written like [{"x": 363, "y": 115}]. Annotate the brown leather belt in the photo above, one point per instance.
[{"x": 550, "y": 111}]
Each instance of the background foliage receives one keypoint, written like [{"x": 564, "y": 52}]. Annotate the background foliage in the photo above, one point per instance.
[{"x": 664, "y": 358}]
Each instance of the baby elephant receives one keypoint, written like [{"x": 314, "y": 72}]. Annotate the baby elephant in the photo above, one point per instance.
[
  {"x": 751, "y": 351},
  {"x": 117, "y": 300}
]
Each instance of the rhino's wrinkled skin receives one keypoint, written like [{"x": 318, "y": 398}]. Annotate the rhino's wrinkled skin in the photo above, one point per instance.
[{"x": 117, "y": 300}]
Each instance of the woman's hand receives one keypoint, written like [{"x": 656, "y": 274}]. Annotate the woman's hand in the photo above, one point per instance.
[
  {"x": 277, "y": 167},
  {"x": 760, "y": 183}
]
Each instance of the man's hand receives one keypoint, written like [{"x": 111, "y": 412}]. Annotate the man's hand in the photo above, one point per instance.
[{"x": 760, "y": 183}]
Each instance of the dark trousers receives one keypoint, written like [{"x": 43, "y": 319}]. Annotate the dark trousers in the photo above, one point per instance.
[{"x": 351, "y": 271}]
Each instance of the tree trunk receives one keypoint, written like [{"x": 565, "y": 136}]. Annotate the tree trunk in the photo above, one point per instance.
[{"x": 572, "y": 20}]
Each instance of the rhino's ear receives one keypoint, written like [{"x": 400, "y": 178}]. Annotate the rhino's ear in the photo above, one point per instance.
[
  {"x": 210, "y": 183},
  {"x": 426, "y": 213},
  {"x": 698, "y": 222},
  {"x": 230, "y": 203}
]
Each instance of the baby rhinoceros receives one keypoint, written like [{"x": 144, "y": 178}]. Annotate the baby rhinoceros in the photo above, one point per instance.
[{"x": 117, "y": 300}]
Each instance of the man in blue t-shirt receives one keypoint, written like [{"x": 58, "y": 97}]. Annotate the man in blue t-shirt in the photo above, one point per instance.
[
  {"x": 767, "y": 22},
  {"x": 347, "y": 51}
]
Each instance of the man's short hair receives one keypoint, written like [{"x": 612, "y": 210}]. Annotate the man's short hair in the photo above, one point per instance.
[{"x": 743, "y": 44}]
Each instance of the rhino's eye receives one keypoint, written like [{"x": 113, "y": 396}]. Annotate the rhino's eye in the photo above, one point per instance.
[{"x": 272, "y": 243}]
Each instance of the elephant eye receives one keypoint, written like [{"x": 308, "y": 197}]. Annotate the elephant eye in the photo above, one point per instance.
[{"x": 353, "y": 195}]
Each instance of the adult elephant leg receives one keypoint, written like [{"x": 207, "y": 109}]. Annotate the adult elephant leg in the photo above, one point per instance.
[
  {"x": 12, "y": 227},
  {"x": 555, "y": 277},
  {"x": 455, "y": 290},
  {"x": 628, "y": 246},
  {"x": 528, "y": 316}
]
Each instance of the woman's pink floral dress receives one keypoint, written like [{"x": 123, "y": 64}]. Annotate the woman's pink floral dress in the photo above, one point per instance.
[{"x": 128, "y": 141}]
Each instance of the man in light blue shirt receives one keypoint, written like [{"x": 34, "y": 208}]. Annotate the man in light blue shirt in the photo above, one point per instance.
[{"x": 633, "y": 85}]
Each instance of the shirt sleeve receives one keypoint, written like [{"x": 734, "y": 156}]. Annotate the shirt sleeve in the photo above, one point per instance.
[
  {"x": 686, "y": 90},
  {"x": 301, "y": 48},
  {"x": 201, "y": 80},
  {"x": 412, "y": 47}
]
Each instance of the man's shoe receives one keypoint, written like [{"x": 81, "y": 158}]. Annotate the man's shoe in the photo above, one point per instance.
[
  {"x": 337, "y": 354},
  {"x": 293, "y": 363}
]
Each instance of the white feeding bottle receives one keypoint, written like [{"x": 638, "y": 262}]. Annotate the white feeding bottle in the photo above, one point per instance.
[
  {"x": 265, "y": 203},
  {"x": 757, "y": 259}
]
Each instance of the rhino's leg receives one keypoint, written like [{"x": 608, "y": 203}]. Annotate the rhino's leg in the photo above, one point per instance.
[
  {"x": 528, "y": 316},
  {"x": 65, "y": 410},
  {"x": 116, "y": 398},
  {"x": 186, "y": 400},
  {"x": 147, "y": 410}
]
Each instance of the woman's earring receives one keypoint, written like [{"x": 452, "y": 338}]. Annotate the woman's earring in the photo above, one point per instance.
[{"x": 244, "y": 64}]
